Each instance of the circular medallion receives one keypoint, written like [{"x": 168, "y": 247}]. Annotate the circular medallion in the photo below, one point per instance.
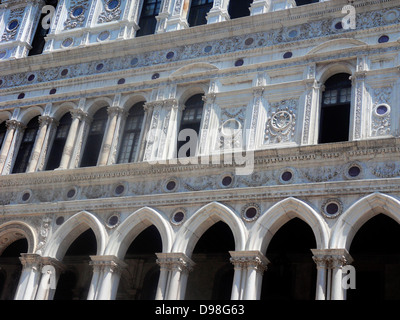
[{"x": 281, "y": 120}]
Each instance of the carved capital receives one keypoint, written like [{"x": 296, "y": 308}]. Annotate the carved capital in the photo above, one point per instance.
[
  {"x": 175, "y": 261},
  {"x": 249, "y": 260},
  {"x": 107, "y": 264}
]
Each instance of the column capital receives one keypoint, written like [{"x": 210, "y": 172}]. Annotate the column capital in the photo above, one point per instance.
[
  {"x": 14, "y": 124},
  {"x": 79, "y": 114},
  {"x": 46, "y": 120},
  {"x": 331, "y": 258},
  {"x": 109, "y": 263},
  {"x": 175, "y": 261},
  {"x": 31, "y": 260},
  {"x": 58, "y": 265},
  {"x": 115, "y": 110},
  {"x": 249, "y": 259}
]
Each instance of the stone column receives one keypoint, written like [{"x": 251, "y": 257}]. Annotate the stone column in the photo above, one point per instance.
[
  {"x": 16, "y": 137},
  {"x": 12, "y": 126},
  {"x": 77, "y": 116},
  {"x": 339, "y": 258},
  {"x": 360, "y": 106},
  {"x": 162, "y": 17},
  {"x": 322, "y": 260},
  {"x": 249, "y": 269},
  {"x": 179, "y": 265},
  {"x": 30, "y": 275},
  {"x": 115, "y": 113},
  {"x": 44, "y": 123},
  {"x": 312, "y": 110},
  {"x": 51, "y": 269},
  {"x": 219, "y": 12},
  {"x": 107, "y": 280},
  {"x": 162, "y": 261}
]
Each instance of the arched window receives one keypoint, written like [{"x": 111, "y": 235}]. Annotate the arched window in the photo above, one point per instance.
[
  {"x": 26, "y": 146},
  {"x": 303, "y": 2},
  {"x": 198, "y": 12},
  {"x": 191, "y": 119},
  {"x": 42, "y": 30},
  {"x": 3, "y": 131},
  {"x": 239, "y": 8},
  {"x": 59, "y": 142},
  {"x": 148, "y": 21},
  {"x": 95, "y": 138},
  {"x": 129, "y": 149},
  {"x": 335, "y": 109}
]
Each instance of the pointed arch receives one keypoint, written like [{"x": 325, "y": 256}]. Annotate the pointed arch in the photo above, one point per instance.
[
  {"x": 15, "y": 230},
  {"x": 270, "y": 222},
  {"x": 360, "y": 212},
  {"x": 132, "y": 226},
  {"x": 60, "y": 241},
  {"x": 203, "y": 219}
]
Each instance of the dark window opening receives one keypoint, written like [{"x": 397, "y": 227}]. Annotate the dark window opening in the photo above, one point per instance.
[
  {"x": 335, "y": 109},
  {"x": 198, "y": 12},
  {"x": 26, "y": 146},
  {"x": 95, "y": 138},
  {"x": 191, "y": 119},
  {"x": 130, "y": 140},
  {"x": 148, "y": 21},
  {"x": 59, "y": 142},
  {"x": 39, "y": 41},
  {"x": 239, "y": 8},
  {"x": 3, "y": 131},
  {"x": 304, "y": 2}
]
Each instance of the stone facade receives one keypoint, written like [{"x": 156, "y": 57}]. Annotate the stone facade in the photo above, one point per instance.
[{"x": 262, "y": 78}]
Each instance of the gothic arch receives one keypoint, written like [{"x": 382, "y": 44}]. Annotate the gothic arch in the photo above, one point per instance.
[
  {"x": 360, "y": 212},
  {"x": 132, "y": 226},
  {"x": 15, "y": 230},
  {"x": 270, "y": 222},
  {"x": 60, "y": 241},
  {"x": 203, "y": 219}
]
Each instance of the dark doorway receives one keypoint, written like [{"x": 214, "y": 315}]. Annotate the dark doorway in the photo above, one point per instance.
[
  {"x": 291, "y": 274},
  {"x": 140, "y": 279},
  {"x": 335, "y": 109},
  {"x": 376, "y": 253},
  {"x": 74, "y": 282},
  {"x": 10, "y": 268},
  {"x": 212, "y": 276}
]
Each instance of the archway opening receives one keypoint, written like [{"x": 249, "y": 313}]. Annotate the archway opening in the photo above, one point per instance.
[
  {"x": 376, "y": 253},
  {"x": 10, "y": 268},
  {"x": 140, "y": 279},
  {"x": 74, "y": 282},
  {"x": 212, "y": 276},
  {"x": 291, "y": 275}
]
